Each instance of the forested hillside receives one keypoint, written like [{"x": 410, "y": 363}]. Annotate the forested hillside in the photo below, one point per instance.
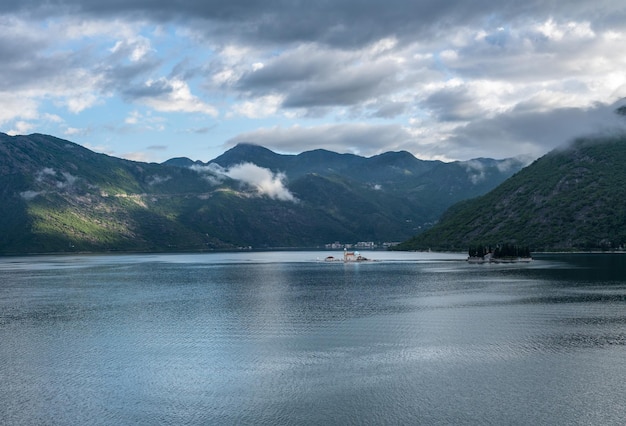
[
  {"x": 56, "y": 196},
  {"x": 573, "y": 198}
]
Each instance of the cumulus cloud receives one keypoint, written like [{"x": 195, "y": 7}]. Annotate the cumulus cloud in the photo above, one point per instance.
[
  {"x": 264, "y": 106},
  {"x": 172, "y": 95},
  {"x": 21, "y": 127},
  {"x": 470, "y": 94},
  {"x": 16, "y": 108},
  {"x": 263, "y": 181},
  {"x": 135, "y": 48}
]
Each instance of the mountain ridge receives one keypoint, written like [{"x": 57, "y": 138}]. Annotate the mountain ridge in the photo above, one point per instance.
[{"x": 58, "y": 196}]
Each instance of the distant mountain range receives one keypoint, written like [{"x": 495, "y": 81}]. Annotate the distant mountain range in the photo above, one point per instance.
[
  {"x": 56, "y": 196},
  {"x": 573, "y": 198}
]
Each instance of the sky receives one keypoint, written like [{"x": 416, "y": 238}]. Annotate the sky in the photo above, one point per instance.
[{"x": 447, "y": 80}]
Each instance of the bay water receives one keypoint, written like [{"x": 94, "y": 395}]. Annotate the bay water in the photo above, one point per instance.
[{"x": 286, "y": 338}]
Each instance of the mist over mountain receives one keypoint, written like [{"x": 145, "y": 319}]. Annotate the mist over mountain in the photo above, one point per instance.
[
  {"x": 56, "y": 196},
  {"x": 573, "y": 198}
]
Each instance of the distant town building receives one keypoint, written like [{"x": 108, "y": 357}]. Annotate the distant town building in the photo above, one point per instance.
[{"x": 367, "y": 245}]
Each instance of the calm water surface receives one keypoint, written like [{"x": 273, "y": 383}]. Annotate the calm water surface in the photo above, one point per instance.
[{"x": 283, "y": 338}]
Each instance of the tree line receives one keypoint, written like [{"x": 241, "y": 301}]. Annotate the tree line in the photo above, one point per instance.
[{"x": 500, "y": 251}]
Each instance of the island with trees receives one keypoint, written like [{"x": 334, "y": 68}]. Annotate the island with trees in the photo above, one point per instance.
[{"x": 502, "y": 253}]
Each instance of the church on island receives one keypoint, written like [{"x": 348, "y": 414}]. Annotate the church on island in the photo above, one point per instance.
[{"x": 348, "y": 256}]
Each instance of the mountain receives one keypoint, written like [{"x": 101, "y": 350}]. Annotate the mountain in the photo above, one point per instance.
[
  {"x": 56, "y": 196},
  {"x": 431, "y": 186},
  {"x": 572, "y": 198},
  {"x": 181, "y": 162}
]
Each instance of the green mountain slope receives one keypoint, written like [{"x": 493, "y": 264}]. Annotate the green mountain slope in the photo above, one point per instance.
[
  {"x": 398, "y": 180},
  {"x": 572, "y": 198},
  {"x": 56, "y": 196}
]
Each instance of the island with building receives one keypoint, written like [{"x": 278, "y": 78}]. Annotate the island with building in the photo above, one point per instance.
[{"x": 348, "y": 256}]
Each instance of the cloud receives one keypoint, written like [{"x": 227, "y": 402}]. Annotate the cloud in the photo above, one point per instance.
[
  {"x": 263, "y": 181},
  {"x": 343, "y": 23},
  {"x": 514, "y": 163},
  {"x": 54, "y": 61},
  {"x": 200, "y": 130},
  {"x": 51, "y": 178},
  {"x": 259, "y": 108},
  {"x": 389, "y": 109},
  {"x": 29, "y": 195},
  {"x": 349, "y": 87},
  {"x": 311, "y": 76},
  {"x": 156, "y": 180},
  {"x": 531, "y": 132},
  {"x": 135, "y": 48},
  {"x": 138, "y": 156},
  {"x": 46, "y": 171},
  {"x": 170, "y": 96},
  {"x": 145, "y": 121},
  {"x": 212, "y": 172},
  {"x": 73, "y": 131},
  {"x": 13, "y": 107},
  {"x": 452, "y": 104},
  {"x": 157, "y": 147},
  {"x": 69, "y": 181},
  {"x": 475, "y": 170},
  {"x": 441, "y": 79},
  {"x": 21, "y": 127},
  {"x": 513, "y": 133},
  {"x": 358, "y": 138}
]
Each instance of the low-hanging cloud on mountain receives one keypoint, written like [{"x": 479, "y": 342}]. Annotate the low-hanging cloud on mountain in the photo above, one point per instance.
[
  {"x": 50, "y": 180},
  {"x": 263, "y": 181}
]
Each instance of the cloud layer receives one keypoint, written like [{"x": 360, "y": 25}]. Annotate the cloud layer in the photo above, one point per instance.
[{"x": 441, "y": 79}]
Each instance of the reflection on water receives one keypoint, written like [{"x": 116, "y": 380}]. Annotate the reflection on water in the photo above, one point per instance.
[{"x": 282, "y": 338}]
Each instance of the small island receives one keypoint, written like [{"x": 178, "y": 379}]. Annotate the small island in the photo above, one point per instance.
[
  {"x": 502, "y": 253},
  {"x": 348, "y": 256}
]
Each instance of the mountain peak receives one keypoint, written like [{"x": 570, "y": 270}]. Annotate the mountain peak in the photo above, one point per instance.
[
  {"x": 181, "y": 162},
  {"x": 245, "y": 152}
]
